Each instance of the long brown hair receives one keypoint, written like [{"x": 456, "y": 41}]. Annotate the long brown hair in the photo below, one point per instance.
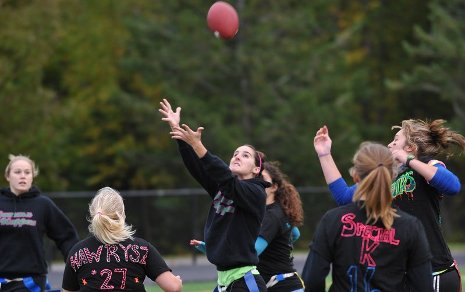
[
  {"x": 430, "y": 138},
  {"x": 286, "y": 194},
  {"x": 374, "y": 165}
]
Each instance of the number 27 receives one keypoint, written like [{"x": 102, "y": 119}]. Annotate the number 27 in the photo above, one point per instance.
[{"x": 109, "y": 273}]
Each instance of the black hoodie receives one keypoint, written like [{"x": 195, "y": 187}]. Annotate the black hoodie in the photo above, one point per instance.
[
  {"x": 24, "y": 220},
  {"x": 237, "y": 210}
]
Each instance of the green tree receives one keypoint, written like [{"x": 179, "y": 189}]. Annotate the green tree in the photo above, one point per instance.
[
  {"x": 436, "y": 83},
  {"x": 440, "y": 60}
]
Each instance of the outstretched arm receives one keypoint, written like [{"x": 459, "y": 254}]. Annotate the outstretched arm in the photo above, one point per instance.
[
  {"x": 338, "y": 187},
  {"x": 322, "y": 143}
]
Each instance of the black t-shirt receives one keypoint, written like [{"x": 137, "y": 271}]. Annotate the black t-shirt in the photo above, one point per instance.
[
  {"x": 414, "y": 195},
  {"x": 366, "y": 257},
  {"x": 276, "y": 230},
  {"x": 277, "y": 257},
  {"x": 92, "y": 265}
]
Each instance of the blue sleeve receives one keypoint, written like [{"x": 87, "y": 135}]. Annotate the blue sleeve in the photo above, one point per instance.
[
  {"x": 295, "y": 234},
  {"x": 445, "y": 181},
  {"x": 341, "y": 192},
  {"x": 260, "y": 245}
]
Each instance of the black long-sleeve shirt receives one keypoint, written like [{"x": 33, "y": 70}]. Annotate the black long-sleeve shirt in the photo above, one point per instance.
[{"x": 237, "y": 210}]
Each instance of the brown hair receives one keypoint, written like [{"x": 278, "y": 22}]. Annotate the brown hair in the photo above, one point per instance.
[
  {"x": 286, "y": 194},
  {"x": 430, "y": 138},
  {"x": 374, "y": 165}
]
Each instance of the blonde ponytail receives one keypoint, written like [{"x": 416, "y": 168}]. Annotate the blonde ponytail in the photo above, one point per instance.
[
  {"x": 374, "y": 165},
  {"x": 107, "y": 217}
]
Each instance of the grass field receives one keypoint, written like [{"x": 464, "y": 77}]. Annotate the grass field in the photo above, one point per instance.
[
  {"x": 188, "y": 287},
  {"x": 209, "y": 286}
]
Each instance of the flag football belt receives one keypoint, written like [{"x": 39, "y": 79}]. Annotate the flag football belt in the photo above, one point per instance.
[
  {"x": 278, "y": 278},
  {"x": 249, "y": 281},
  {"x": 27, "y": 281}
]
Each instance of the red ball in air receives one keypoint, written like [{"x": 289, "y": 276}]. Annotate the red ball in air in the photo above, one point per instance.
[{"x": 223, "y": 20}]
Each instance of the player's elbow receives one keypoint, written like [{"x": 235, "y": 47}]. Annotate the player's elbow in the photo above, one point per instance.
[
  {"x": 169, "y": 282},
  {"x": 172, "y": 286}
]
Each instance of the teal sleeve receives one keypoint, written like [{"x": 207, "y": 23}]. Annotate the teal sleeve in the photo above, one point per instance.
[
  {"x": 260, "y": 245},
  {"x": 201, "y": 247},
  {"x": 295, "y": 234}
]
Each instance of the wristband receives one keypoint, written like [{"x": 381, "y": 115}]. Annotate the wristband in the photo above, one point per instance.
[
  {"x": 324, "y": 154},
  {"x": 410, "y": 157}
]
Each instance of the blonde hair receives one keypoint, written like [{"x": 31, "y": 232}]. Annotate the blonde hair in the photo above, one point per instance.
[
  {"x": 430, "y": 138},
  {"x": 107, "y": 217},
  {"x": 14, "y": 158},
  {"x": 374, "y": 165}
]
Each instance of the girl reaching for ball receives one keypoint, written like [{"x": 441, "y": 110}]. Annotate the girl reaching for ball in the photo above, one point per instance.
[{"x": 238, "y": 207}]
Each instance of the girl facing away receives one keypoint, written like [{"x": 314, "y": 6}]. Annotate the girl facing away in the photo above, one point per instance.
[
  {"x": 111, "y": 258},
  {"x": 419, "y": 186},
  {"x": 371, "y": 245}
]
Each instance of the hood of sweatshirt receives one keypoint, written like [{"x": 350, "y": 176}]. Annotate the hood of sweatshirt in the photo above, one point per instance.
[
  {"x": 33, "y": 192},
  {"x": 260, "y": 181}
]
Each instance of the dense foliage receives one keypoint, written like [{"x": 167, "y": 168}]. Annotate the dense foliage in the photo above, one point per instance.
[{"x": 80, "y": 83}]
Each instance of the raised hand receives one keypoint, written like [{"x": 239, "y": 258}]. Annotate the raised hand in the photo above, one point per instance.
[
  {"x": 322, "y": 142},
  {"x": 199, "y": 245},
  {"x": 194, "y": 139},
  {"x": 195, "y": 242},
  {"x": 172, "y": 117},
  {"x": 400, "y": 155},
  {"x": 187, "y": 134}
]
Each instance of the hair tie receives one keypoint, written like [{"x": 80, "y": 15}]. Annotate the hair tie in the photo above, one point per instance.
[
  {"x": 99, "y": 213},
  {"x": 380, "y": 164}
]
